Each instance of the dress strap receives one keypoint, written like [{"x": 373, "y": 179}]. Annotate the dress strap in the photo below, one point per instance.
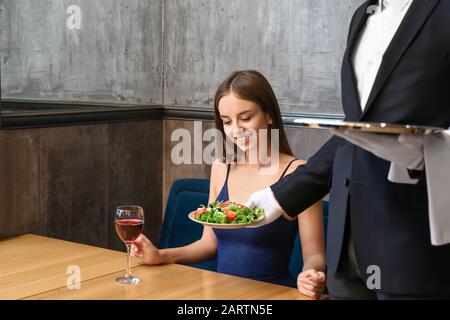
[
  {"x": 287, "y": 167},
  {"x": 228, "y": 173}
]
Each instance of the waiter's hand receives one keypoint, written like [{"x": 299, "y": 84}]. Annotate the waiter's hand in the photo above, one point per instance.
[
  {"x": 266, "y": 200},
  {"x": 405, "y": 150}
]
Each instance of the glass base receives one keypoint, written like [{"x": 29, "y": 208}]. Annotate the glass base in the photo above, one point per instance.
[{"x": 128, "y": 280}]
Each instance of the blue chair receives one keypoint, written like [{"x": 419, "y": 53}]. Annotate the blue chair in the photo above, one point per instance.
[
  {"x": 178, "y": 230},
  {"x": 296, "y": 264}
]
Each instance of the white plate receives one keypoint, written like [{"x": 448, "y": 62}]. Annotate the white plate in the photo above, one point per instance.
[
  {"x": 366, "y": 126},
  {"x": 223, "y": 225}
]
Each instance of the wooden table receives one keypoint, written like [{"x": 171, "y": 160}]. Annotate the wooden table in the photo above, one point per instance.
[{"x": 35, "y": 267}]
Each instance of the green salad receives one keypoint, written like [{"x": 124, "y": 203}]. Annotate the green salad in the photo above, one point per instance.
[{"x": 227, "y": 212}]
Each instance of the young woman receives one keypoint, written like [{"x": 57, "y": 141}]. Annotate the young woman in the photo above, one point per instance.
[{"x": 245, "y": 102}]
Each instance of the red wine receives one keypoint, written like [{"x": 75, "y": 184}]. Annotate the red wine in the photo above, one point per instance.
[{"x": 129, "y": 229}]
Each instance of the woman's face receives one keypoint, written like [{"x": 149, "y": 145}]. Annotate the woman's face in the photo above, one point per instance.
[{"x": 241, "y": 119}]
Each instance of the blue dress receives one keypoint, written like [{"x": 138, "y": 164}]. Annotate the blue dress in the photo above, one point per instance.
[{"x": 257, "y": 253}]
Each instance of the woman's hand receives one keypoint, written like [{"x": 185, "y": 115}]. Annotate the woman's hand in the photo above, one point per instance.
[
  {"x": 311, "y": 283},
  {"x": 144, "y": 249}
]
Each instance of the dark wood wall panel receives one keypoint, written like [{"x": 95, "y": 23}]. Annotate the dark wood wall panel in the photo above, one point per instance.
[
  {"x": 19, "y": 183},
  {"x": 173, "y": 171},
  {"x": 305, "y": 142},
  {"x": 74, "y": 182},
  {"x": 65, "y": 182},
  {"x": 136, "y": 173}
]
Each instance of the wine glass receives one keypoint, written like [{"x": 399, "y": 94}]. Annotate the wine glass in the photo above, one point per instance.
[{"x": 129, "y": 221}]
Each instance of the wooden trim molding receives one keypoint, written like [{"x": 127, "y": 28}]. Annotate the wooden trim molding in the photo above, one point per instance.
[{"x": 17, "y": 114}]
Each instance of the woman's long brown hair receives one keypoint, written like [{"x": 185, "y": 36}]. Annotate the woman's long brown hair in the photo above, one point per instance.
[{"x": 252, "y": 86}]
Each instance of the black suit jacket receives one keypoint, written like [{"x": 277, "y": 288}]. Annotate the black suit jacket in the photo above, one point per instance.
[{"x": 389, "y": 221}]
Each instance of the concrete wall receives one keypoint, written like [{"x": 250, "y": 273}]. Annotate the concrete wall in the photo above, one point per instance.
[
  {"x": 297, "y": 44},
  {"x": 115, "y": 56},
  {"x": 126, "y": 49}
]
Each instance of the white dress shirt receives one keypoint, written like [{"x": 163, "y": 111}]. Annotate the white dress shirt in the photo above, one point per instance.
[{"x": 373, "y": 41}]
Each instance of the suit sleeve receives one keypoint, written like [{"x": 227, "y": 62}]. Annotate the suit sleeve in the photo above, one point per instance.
[{"x": 309, "y": 183}]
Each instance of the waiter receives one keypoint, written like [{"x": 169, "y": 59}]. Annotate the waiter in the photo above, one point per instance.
[{"x": 396, "y": 69}]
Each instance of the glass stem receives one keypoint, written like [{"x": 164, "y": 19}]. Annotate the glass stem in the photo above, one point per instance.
[{"x": 128, "y": 274}]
